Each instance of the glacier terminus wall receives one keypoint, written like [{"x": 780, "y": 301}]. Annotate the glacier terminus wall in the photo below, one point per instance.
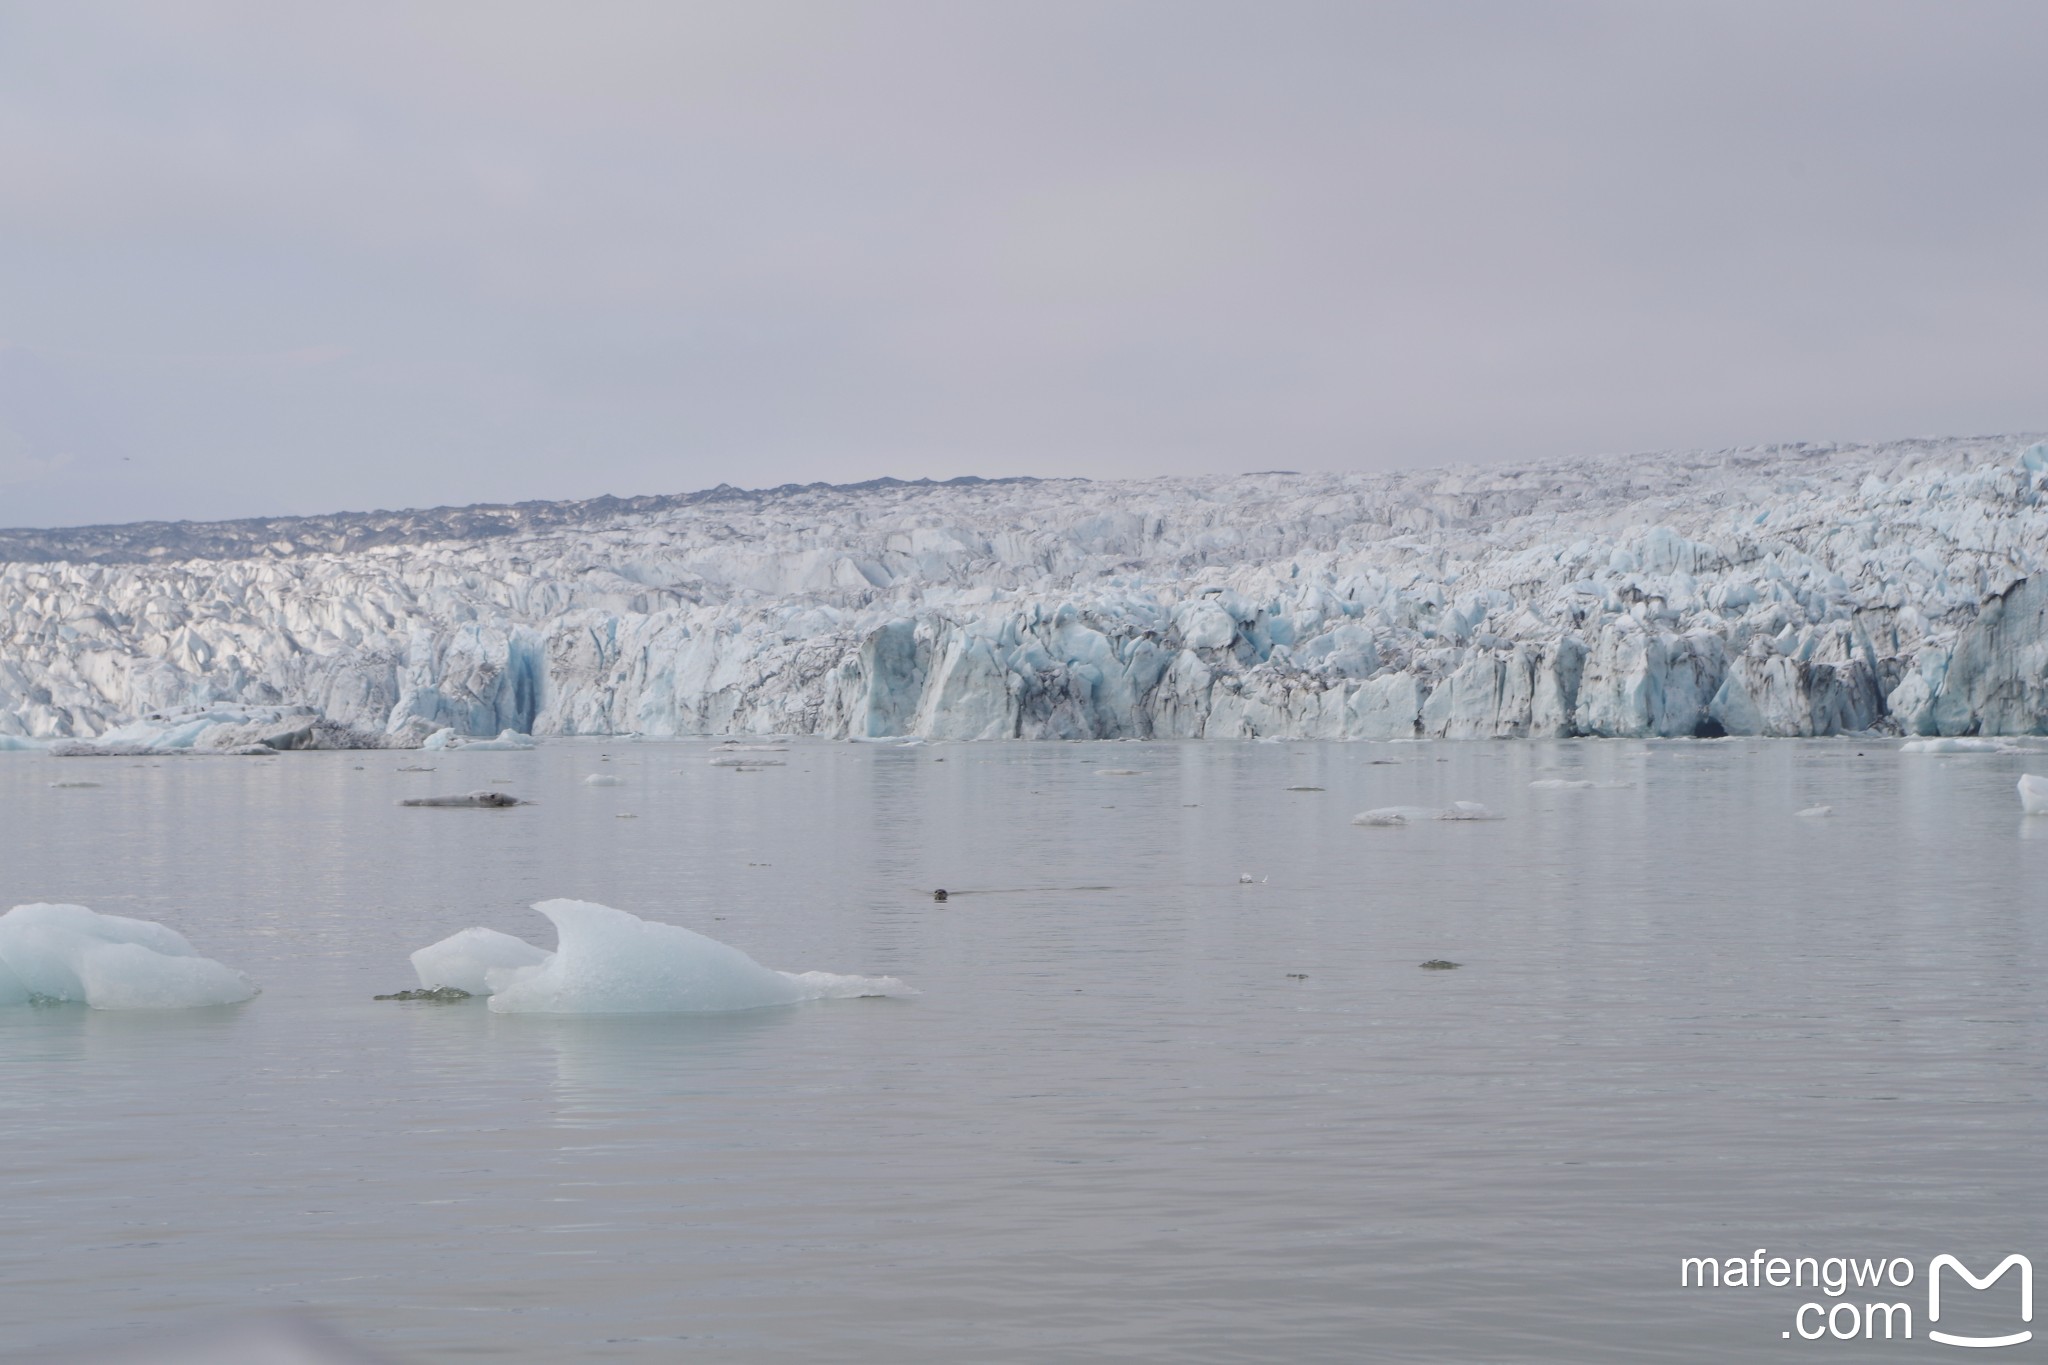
[{"x": 1789, "y": 590}]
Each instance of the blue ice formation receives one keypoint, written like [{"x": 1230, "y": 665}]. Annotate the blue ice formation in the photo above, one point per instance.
[
  {"x": 70, "y": 953},
  {"x": 1786, "y": 590}
]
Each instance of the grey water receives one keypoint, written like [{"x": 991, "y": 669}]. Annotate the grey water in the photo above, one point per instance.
[{"x": 1142, "y": 1110}]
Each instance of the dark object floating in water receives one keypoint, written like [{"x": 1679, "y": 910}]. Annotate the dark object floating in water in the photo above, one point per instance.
[
  {"x": 1438, "y": 964},
  {"x": 1304, "y": 789},
  {"x": 440, "y": 995},
  {"x": 485, "y": 799},
  {"x": 1297, "y": 976},
  {"x": 1016, "y": 891}
]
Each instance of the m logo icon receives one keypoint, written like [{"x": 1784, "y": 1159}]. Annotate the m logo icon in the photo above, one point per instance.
[{"x": 1934, "y": 1269}]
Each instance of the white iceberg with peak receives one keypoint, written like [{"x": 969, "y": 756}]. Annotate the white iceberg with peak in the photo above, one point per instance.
[{"x": 608, "y": 961}]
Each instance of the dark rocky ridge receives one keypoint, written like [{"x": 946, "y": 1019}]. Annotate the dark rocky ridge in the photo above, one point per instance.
[{"x": 145, "y": 542}]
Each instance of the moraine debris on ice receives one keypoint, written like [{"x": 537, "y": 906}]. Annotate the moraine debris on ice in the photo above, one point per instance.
[
  {"x": 479, "y": 800},
  {"x": 224, "y": 729},
  {"x": 1785, "y": 590}
]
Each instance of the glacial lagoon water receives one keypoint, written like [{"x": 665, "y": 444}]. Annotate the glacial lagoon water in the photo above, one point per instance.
[{"x": 1140, "y": 1111}]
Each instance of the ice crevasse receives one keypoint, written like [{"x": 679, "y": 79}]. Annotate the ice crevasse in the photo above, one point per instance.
[
  {"x": 1789, "y": 590},
  {"x": 69, "y": 953},
  {"x": 609, "y": 961}
]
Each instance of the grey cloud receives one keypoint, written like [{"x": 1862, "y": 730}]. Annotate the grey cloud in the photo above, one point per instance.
[{"x": 261, "y": 258}]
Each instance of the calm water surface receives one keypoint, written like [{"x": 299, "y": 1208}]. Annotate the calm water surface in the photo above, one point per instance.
[{"x": 1114, "y": 1125}]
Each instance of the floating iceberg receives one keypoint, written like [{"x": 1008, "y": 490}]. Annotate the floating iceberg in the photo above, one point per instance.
[
  {"x": 1959, "y": 746},
  {"x": 612, "y": 962},
  {"x": 507, "y": 739},
  {"x": 67, "y": 952},
  {"x": 2034, "y": 794},
  {"x": 22, "y": 742},
  {"x": 1559, "y": 784},
  {"x": 1402, "y": 815},
  {"x": 464, "y": 960},
  {"x": 603, "y": 780},
  {"x": 1817, "y": 812}
]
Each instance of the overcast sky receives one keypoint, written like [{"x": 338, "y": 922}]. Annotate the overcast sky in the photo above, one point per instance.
[{"x": 267, "y": 257}]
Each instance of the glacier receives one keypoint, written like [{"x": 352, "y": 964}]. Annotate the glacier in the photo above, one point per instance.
[
  {"x": 1789, "y": 590},
  {"x": 610, "y": 961}
]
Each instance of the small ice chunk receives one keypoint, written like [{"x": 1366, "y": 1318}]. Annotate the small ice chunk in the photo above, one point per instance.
[
  {"x": 1118, "y": 772},
  {"x": 1959, "y": 746},
  {"x": 2034, "y": 794},
  {"x": 507, "y": 739},
  {"x": 1559, "y": 784},
  {"x": 110, "y": 962},
  {"x": 463, "y": 960},
  {"x": 603, "y": 780},
  {"x": 612, "y": 962},
  {"x": 1818, "y": 812},
  {"x": 1402, "y": 815},
  {"x": 728, "y": 760}
]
